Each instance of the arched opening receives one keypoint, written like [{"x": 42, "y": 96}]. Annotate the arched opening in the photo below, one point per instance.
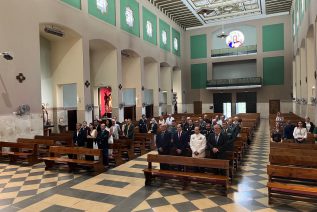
[
  {"x": 151, "y": 86},
  {"x": 103, "y": 77},
  {"x": 131, "y": 83},
  {"x": 62, "y": 87},
  {"x": 177, "y": 90},
  {"x": 166, "y": 86}
]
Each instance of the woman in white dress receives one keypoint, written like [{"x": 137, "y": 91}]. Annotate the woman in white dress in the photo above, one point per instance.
[
  {"x": 93, "y": 135},
  {"x": 109, "y": 128}
]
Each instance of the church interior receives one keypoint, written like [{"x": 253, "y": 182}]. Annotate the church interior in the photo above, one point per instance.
[{"x": 158, "y": 105}]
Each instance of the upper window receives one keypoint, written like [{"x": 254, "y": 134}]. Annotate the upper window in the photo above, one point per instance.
[
  {"x": 102, "y": 5},
  {"x": 129, "y": 16},
  {"x": 149, "y": 28},
  {"x": 164, "y": 37},
  {"x": 235, "y": 39},
  {"x": 175, "y": 43}
]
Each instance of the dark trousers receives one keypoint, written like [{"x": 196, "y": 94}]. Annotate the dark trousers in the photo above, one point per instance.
[
  {"x": 105, "y": 154},
  {"x": 164, "y": 166},
  {"x": 89, "y": 145}
]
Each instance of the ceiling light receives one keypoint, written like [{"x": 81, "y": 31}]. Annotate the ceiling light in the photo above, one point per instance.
[
  {"x": 54, "y": 31},
  {"x": 7, "y": 55},
  {"x": 205, "y": 11}
]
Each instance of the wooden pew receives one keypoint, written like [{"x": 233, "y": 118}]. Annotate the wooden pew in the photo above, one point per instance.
[
  {"x": 292, "y": 145},
  {"x": 292, "y": 172},
  {"x": 59, "y": 140},
  {"x": 20, "y": 150},
  {"x": 43, "y": 145},
  {"x": 57, "y": 155},
  {"x": 187, "y": 176}
]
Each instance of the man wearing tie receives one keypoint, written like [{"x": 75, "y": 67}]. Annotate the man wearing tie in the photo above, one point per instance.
[
  {"x": 143, "y": 125},
  {"x": 180, "y": 142},
  {"x": 217, "y": 143},
  {"x": 163, "y": 144}
]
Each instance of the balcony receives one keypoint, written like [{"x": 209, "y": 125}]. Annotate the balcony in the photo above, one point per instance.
[
  {"x": 243, "y": 50},
  {"x": 238, "y": 83}
]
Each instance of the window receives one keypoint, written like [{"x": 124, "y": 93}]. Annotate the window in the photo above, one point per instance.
[
  {"x": 129, "y": 16},
  {"x": 175, "y": 43},
  {"x": 164, "y": 37},
  {"x": 149, "y": 29},
  {"x": 102, "y": 5}
]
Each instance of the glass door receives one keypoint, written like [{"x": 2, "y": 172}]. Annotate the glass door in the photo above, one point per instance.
[
  {"x": 241, "y": 107},
  {"x": 227, "y": 109}
]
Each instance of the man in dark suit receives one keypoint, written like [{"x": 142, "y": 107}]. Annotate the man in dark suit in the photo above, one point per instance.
[
  {"x": 229, "y": 132},
  {"x": 142, "y": 125},
  {"x": 102, "y": 141},
  {"x": 163, "y": 144},
  {"x": 79, "y": 136},
  {"x": 180, "y": 142},
  {"x": 217, "y": 143},
  {"x": 129, "y": 130}
]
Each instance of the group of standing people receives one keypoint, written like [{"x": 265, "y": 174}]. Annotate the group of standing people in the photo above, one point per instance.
[
  {"x": 287, "y": 131},
  {"x": 200, "y": 139}
]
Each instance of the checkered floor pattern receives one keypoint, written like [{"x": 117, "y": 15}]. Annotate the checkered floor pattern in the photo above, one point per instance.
[
  {"x": 18, "y": 182},
  {"x": 122, "y": 188}
]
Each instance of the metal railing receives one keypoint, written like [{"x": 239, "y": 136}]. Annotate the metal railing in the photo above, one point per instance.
[
  {"x": 251, "y": 49},
  {"x": 235, "y": 82}
]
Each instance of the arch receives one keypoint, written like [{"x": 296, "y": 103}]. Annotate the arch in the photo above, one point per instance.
[
  {"x": 103, "y": 76},
  {"x": 150, "y": 60},
  {"x": 129, "y": 53},
  {"x": 165, "y": 64},
  {"x": 68, "y": 33},
  {"x": 62, "y": 71}
]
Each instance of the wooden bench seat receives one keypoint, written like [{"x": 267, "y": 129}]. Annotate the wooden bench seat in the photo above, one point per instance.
[
  {"x": 187, "y": 175},
  {"x": 43, "y": 145},
  {"x": 17, "y": 151},
  {"x": 59, "y": 140},
  {"x": 292, "y": 182},
  {"x": 57, "y": 155}
]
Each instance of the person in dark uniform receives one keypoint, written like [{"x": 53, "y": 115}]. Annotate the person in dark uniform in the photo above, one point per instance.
[
  {"x": 102, "y": 141},
  {"x": 143, "y": 125},
  {"x": 208, "y": 130},
  {"x": 163, "y": 144}
]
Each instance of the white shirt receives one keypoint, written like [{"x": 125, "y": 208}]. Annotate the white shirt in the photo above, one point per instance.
[
  {"x": 169, "y": 120},
  {"x": 300, "y": 133},
  {"x": 198, "y": 144}
]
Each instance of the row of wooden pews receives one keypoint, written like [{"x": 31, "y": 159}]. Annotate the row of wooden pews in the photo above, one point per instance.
[{"x": 292, "y": 172}]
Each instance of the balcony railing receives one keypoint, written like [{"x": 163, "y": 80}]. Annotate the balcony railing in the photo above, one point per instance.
[
  {"x": 243, "y": 50},
  {"x": 238, "y": 83}
]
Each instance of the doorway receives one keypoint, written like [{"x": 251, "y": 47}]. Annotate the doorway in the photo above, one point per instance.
[
  {"x": 198, "y": 107},
  {"x": 72, "y": 119},
  {"x": 130, "y": 113},
  {"x": 149, "y": 111},
  {"x": 219, "y": 99},
  {"x": 274, "y": 106},
  {"x": 249, "y": 99}
]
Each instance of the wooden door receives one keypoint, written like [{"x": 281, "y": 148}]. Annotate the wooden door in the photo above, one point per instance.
[
  {"x": 274, "y": 106},
  {"x": 149, "y": 111},
  {"x": 198, "y": 107},
  {"x": 72, "y": 119},
  {"x": 130, "y": 113}
]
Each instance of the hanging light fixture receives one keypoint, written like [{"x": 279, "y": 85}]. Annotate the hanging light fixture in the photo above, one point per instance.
[{"x": 223, "y": 35}]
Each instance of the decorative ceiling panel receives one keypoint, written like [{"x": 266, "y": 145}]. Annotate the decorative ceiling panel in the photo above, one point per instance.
[{"x": 194, "y": 13}]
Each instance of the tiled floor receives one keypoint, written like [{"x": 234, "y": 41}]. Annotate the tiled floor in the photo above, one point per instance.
[{"x": 122, "y": 189}]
